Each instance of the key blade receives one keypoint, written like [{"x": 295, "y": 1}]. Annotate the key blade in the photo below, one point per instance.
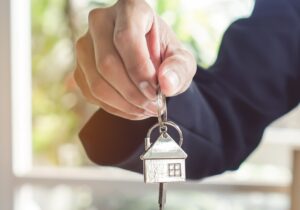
[
  {"x": 162, "y": 195},
  {"x": 161, "y": 207}
]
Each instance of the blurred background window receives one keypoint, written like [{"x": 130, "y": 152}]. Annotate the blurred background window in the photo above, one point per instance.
[{"x": 62, "y": 177}]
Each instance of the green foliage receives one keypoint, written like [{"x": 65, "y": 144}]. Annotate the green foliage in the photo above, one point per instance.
[{"x": 52, "y": 56}]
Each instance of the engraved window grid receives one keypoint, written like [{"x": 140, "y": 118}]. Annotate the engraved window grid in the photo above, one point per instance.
[{"x": 174, "y": 169}]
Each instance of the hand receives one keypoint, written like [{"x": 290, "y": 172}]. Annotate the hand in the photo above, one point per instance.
[{"x": 126, "y": 52}]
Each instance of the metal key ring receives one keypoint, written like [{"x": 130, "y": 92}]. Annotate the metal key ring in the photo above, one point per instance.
[
  {"x": 161, "y": 108},
  {"x": 170, "y": 123}
]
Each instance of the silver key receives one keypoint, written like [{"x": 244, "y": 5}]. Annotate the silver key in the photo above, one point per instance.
[
  {"x": 163, "y": 160},
  {"x": 162, "y": 195}
]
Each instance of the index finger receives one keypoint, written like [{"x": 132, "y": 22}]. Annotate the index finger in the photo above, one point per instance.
[{"x": 130, "y": 39}]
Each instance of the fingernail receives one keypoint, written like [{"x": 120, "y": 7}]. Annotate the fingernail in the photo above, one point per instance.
[
  {"x": 151, "y": 107},
  {"x": 173, "y": 78},
  {"x": 147, "y": 90}
]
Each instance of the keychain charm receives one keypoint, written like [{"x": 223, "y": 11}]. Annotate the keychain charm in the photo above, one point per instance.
[{"x": 164, "y": 159}]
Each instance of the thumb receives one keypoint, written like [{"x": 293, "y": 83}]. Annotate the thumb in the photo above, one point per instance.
[{"x": 176, "y": 72}]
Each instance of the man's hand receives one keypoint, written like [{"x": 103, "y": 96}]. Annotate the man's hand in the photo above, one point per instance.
[{"x": 127, "y": 51}]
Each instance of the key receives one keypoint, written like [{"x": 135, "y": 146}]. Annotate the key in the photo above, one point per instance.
[
  {"x": 162, "y": 195},
  {"x": 164, "y": 159}
]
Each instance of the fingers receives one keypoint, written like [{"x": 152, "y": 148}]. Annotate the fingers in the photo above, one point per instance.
[
  {"x": 99, "y": 89},
  {"x": 132, "y": 25},
  {"x": 176, "y": 72},
  {"x": 125, "y": 54},
  {"x": 110, "y": 66},
  {"x": 83, "y": 85}
]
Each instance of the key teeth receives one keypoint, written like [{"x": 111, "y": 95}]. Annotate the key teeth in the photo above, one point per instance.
[{"x": 161, "y": 207}]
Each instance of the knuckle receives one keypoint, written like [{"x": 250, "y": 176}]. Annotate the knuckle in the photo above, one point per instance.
[
  {"x": 142, "y": 71},
  {"x": 94, "y": 86},
  {"x": 133, "y": 97},
  {"x": 97, "y": 89},
  {"x": 123, "y": 35},
  {"x": 82, "y": 45},
  {"x": 93, "y": 15},
  {"x": 105, "y": 64},
  {"x": 79, "y": 44}
]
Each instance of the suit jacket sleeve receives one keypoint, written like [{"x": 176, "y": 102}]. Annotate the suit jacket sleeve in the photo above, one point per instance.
[{"x": 256, "y": 79}]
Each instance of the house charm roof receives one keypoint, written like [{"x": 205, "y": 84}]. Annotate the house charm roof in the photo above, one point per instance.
[{"x": 164, "y": 148}]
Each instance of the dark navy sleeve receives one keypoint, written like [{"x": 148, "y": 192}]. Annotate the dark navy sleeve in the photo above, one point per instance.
[{"x": 255, "y": 80}]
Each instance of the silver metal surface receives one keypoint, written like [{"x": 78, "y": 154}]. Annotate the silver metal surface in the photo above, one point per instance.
[
  {"x": 164, "y": 148},
  {"x": 164, "y": 159},
  {"x": 162, "y": 196},
  {"x": 161, "y": 108},
  {"x": 158, "y": 171},
  {"x": 159, "y": 155},
  {"x": 170, "y": 123}
]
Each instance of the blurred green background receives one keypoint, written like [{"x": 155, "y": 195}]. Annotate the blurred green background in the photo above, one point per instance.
[{"x": 59, "y": 110}]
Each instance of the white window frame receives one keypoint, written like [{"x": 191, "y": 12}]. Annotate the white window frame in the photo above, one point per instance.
[
  {"x": 15, "y": 126},
  {"x": 6, "y": 190}
]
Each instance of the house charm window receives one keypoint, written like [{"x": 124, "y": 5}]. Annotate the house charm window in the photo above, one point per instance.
[
  {"x": 174, "y": 169},
  {"x": 163, "y": 160}
]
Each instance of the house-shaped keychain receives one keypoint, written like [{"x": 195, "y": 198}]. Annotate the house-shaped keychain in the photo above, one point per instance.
[{"x": 164, "y": 161}]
